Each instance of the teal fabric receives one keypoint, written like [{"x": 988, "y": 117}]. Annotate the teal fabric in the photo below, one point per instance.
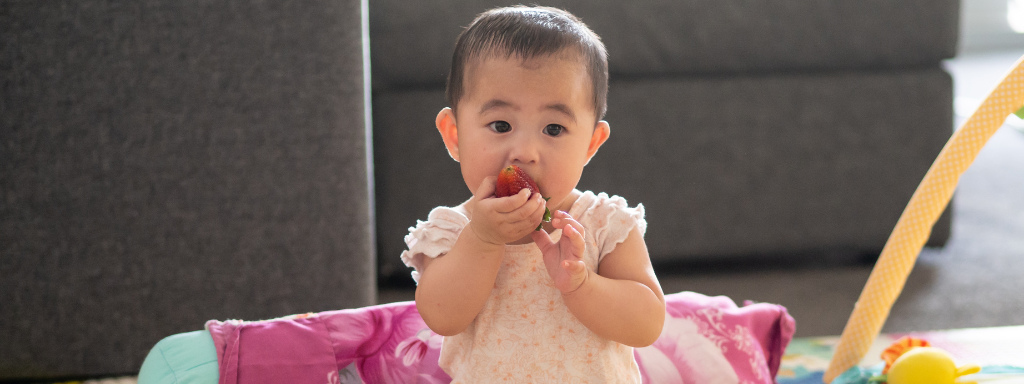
[{"x": 185, "y": 358}]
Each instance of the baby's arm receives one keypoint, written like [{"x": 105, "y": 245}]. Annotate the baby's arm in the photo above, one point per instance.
[
  {"x": 454, "y": 287},
  {"x": 624, "y": 302}
]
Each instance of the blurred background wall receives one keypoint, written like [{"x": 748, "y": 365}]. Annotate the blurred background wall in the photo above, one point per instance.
[
  {"x": 991, "y": 25},
  {"x": 167, "y": 162}
]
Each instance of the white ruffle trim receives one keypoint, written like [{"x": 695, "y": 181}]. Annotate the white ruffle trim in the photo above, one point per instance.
[
  {"x": 612, "y": 220},
  {"x": 432, "y": 238}
]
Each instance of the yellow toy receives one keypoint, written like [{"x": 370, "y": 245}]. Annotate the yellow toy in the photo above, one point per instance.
[{"x": 928, "y": 365}]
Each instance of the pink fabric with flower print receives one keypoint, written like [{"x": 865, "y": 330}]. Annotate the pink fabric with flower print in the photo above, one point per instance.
[
  {"x": 711, "y": 340},
  {"x": 387, "y": 344},
  {"x": 705, "y": 340}
]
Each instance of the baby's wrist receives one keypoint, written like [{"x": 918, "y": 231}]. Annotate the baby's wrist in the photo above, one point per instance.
[
  {"x": 483, "y": 240},
  {"x": 586, "y": 277}
]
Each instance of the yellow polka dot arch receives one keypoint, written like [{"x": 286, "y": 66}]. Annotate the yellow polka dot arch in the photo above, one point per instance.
[{"x": 915, "y": 224}]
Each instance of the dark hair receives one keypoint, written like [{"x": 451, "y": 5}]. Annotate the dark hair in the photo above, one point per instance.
[{"x": 526, "y": 33}]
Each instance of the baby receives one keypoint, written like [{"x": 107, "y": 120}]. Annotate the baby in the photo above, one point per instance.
[{"x": 568, "y": 303}]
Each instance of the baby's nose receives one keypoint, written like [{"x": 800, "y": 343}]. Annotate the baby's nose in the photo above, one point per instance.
[{"x": 524, "y": 150}]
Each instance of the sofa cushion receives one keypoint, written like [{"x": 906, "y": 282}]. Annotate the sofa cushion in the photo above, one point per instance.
[
  {"x": 412, "y": 42},
  {"x": 728, "y": 166},
  {"x": 772, "y": 165}
]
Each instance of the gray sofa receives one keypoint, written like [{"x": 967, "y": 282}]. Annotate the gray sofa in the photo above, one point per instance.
[
  {"x": 166, "y": 162},
  {"x": 749, "y": 130}
]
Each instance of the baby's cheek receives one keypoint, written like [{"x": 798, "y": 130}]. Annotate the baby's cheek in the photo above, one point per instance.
[
  {"x": 566, "y": 181},
  {"x": 472, "y": 181}
]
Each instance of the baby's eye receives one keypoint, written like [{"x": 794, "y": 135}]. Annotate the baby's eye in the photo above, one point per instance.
[
  {"x": 553, "y": 129},
  {"x": 500, "y": 126}
]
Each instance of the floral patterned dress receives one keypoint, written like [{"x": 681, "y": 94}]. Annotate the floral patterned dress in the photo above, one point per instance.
[{"x": 525, "y": 333}]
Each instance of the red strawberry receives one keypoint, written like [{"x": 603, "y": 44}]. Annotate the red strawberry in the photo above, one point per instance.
[{"x": 513, "y": 179}]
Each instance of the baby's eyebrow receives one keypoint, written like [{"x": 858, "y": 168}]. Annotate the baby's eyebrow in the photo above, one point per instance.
[
  {"x": 564, "y": 109},
  {"x": 496, "y": 103},
  {"x": 558, "y": 107}
]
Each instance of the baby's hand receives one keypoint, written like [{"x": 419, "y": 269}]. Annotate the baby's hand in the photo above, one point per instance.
[
  {"x": 501, "y": 220},
  {"x": 564, "y": 259}
]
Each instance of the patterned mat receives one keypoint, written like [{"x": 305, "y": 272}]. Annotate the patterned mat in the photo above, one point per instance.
[{"x": 998, "y": 349}]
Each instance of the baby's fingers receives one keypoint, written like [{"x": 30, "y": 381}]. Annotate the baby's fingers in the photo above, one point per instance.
[
  {"x": 528, "y": 213},
  {"x": 561, "y": 219},
  {"x": 542, "y": 239},
  {"x": 514, "y": 202},
  {"x": 575, "y": 238}
]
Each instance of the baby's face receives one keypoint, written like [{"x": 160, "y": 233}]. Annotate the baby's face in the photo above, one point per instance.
[{"x": 536, "y": 114}]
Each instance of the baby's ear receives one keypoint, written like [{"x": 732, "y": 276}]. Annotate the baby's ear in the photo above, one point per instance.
[
  {"x": 601, "y": 132},
  {"x": 445, "y": 123}
]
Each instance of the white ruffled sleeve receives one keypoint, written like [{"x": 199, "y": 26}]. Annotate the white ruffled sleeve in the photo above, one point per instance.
[
  {"x": 432, "y": 238},
  {"x": 611, "y": 220}
]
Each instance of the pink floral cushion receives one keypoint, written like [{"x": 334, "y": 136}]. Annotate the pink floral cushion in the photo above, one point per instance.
[
  {"x": 711, "y": 340},
  {"x": 705, "y": 340}
]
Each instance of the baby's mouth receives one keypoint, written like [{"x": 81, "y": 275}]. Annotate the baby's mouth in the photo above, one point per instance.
[{"x": 512, "y": 180}]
